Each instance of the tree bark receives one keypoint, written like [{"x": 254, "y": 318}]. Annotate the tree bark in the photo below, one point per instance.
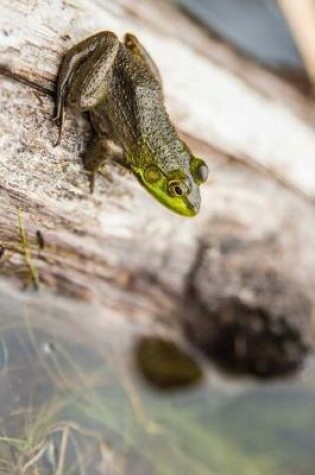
[{"x": 243, "y": 268}]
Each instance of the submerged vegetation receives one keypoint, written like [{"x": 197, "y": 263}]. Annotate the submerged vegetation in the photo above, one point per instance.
[{"x": 68, "y": 407}]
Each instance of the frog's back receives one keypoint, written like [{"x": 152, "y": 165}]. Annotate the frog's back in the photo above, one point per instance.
[
  {"x": 121, "y": 107},
  {"x": 135, "y": 113},
  {"x": 133, "y": 71}
]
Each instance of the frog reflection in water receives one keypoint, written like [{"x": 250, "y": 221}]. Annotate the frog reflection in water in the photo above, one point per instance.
[{"x": 119, "y": 85}]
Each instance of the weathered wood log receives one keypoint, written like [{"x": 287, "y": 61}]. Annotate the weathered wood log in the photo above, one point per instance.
[{"x": 251, "y": 251}]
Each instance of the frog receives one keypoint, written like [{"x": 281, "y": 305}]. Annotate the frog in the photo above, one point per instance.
[{"x": 118, "y": 85}]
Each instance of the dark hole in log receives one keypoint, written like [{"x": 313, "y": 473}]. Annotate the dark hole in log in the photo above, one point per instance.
[
  {"x": 267, "y": 334},
  {"x": 247, "y": 340}
]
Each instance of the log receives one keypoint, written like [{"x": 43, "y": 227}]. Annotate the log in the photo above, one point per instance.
[{"x": 242, "y": 270}]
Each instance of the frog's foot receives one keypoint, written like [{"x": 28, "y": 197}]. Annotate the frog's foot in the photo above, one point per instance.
[
  {"x": 91, "y": 178},
  {"x": 100, "y": 151},
  {"x": 58, "y": 119}
]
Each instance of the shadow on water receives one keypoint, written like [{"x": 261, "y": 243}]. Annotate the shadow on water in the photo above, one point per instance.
[{"x": 71, "y": 403}]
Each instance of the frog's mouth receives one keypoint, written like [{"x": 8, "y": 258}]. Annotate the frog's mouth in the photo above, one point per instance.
[
  {"x": 184, "y": 205},
  {"x": 187, "y": 205}
]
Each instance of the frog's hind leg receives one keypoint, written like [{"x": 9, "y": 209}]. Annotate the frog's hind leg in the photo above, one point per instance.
[
  {"x": 132, "y": 43},
  {"x": 100, "y": 150},
  {"x": 83, "y": 73}
]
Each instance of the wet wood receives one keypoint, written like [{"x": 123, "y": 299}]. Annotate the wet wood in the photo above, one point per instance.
[{"x": 118, "y": 248}]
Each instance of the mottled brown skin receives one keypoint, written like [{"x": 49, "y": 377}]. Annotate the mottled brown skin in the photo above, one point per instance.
[{"x": 120, "y": 86}]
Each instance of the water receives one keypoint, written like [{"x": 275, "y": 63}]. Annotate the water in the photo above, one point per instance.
[{"x": 74, "y": 402}]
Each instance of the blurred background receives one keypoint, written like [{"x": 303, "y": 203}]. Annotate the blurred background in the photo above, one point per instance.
[
  {"x": 256, "y": 27},
  {"x": 277, "y": 33}
]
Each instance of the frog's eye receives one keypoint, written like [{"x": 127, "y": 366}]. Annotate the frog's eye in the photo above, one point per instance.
[
  {"x": 152, "y": 174},
  {"x": 199, "y": 170},
  {"x": 177, "y": 188}
]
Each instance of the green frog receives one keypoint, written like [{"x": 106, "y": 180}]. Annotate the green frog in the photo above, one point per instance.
[{"x": 119, "y": 86}]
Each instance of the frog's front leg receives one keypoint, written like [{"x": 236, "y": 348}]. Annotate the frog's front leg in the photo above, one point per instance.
[
  {"x": 84, "y": 74},
  {"x": 100, "y": 150},
  {"x": 132, "y": 43}
]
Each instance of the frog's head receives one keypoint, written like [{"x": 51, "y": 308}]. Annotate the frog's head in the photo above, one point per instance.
[{"x": 178, "y": 189}]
